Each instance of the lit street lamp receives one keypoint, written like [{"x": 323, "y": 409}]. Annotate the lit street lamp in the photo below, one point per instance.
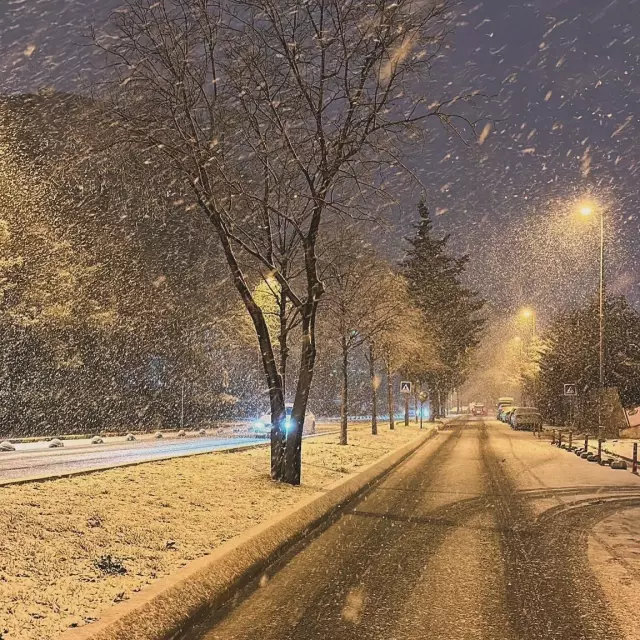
[
  {"x": 530, "y": 315},
  {"x": 586, "y": 209}
]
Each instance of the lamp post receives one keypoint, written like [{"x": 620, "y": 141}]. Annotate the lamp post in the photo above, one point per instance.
[
  {"x": 587, "y": 209},
  {"x": 529, "y": 314}
]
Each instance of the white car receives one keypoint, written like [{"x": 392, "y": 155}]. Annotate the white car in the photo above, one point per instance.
[
  {"x": 263, "y": 423},
  {"x": 6, "y": 446}
]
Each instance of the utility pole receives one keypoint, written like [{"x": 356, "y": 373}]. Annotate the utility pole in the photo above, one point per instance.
[
  {"x": 182, "y": 407},
  {"x": 586, "y": 209},
  {"x": 602, "y": 312},
  {"x": 374, "y": 389},
  {"x": 423, "y": 397}
]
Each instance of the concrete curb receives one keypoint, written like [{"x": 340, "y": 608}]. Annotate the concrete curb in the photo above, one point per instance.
[{"x": 159, "y": 612}]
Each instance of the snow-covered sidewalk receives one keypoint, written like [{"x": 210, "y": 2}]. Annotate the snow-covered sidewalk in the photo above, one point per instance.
[
  {"x": 70, "y": 547},
  {"x": 623, "y": 448}
]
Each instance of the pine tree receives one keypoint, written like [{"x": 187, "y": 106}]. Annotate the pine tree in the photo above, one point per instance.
[
  {"x": 570, "y": 355},
  {"x": 451, "y": 310}
]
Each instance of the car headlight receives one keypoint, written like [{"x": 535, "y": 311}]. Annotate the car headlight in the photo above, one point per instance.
[{"x": 258, "y": 425}]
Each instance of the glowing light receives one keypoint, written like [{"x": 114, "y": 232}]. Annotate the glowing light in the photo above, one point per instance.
[
  {"x": 527, "y": 312},
  {"x": 586, "y": 207}
]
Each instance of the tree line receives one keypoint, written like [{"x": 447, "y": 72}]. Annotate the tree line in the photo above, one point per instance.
[
  {"x": 101, "y": 332},
  {"x": 568, "y": 353},
  {"x": 275, "y": 128}
]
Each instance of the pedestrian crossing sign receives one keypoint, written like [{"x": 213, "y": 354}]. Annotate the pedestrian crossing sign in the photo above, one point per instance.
[
  {"x": 405, "y": 386},
  {"x": 570, "y": 390}
]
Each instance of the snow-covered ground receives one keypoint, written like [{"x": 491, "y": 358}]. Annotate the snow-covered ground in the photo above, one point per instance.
[
  {"x": 71, "y": 547},
  {"x": 622, "y": 448},
  {"x": 614, "y": 554}
]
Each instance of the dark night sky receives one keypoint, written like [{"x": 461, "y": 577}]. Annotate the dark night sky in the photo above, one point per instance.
[{"x": 564, "y": 76}]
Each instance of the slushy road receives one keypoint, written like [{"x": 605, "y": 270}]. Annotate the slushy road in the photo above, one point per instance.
[{"x": 480, "y": 534}]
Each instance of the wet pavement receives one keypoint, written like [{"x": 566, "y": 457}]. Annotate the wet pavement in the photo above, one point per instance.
[{"x": 480, "y": 534}]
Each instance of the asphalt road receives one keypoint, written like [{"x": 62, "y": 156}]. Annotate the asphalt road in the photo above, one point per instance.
[{"x": 480, "y": 534}]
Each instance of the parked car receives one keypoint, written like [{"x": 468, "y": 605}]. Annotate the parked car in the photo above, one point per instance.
[
  {"x": 263, "y": 423},
  {"x": 504, "y": 403},
  {"x": 506, "y": 416},
  {"x": 526, "y": 419}
]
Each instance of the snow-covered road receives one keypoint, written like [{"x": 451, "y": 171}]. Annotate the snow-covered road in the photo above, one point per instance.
[
  {"x": 35, "y": 459},
  {"x": 480, "y": 534}
]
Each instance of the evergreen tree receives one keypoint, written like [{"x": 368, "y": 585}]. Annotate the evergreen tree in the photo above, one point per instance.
[
  {"x": 570, "y": 355},
  {"x": 451, "y": 310}
]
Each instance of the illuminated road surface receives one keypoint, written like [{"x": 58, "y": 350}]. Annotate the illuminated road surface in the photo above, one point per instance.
[{"x": 481, "y": 534}]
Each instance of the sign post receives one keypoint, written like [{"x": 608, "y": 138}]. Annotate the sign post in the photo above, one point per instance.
[
  {"x": 423, "y": 397},
  {"x": 405, "y": 389},
  {"x": 571, "y": 391}
]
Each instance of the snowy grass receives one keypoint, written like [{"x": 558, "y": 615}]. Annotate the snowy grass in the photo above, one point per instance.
[{"x": 71, "y": 547}]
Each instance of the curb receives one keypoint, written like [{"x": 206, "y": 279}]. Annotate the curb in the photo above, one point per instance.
[{"x": 204, "y": 585}]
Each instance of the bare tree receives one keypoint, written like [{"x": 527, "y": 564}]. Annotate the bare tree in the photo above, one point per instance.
[
  {"x": 360, "y": 303},
  {"x": 405, "y": 343},
  {"x": 392, "y": 315},
  {"x": 274, "y": 115}
]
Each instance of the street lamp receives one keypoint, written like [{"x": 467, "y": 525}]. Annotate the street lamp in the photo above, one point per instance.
[
  {"x": 588, "y": 208},
  {"x": 530, "y": 315}
]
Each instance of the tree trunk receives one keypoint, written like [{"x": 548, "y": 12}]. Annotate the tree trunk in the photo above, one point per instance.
[
  {"x": 344, "y": 400},
  {"x": 282, "y": 339},
  {"x": 374, "y": 390},
  {"x": 390, "y": 396},
  {"x": 274, "y": 379},
  {"x": 293, "y": 449}
]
